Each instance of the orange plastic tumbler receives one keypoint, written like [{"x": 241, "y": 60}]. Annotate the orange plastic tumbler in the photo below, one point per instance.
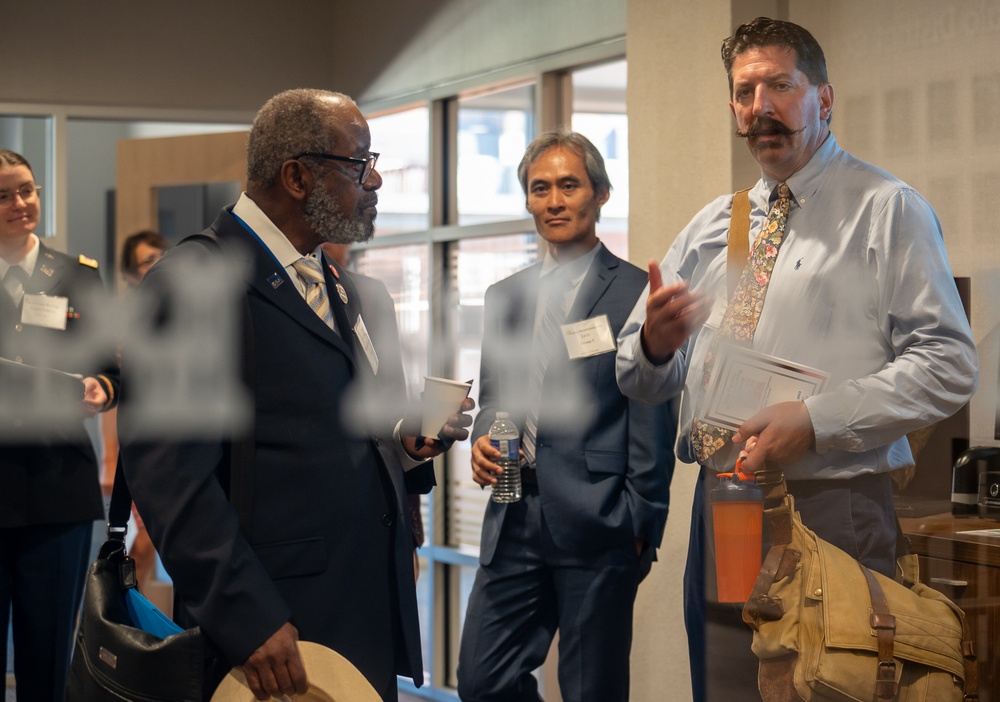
[{"x": 737, "y": 516}]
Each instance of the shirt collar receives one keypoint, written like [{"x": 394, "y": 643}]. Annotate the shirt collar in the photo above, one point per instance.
[
  {"x": 575, "y": 269},
  {"x": 806, "y": 181},
  {"x": 27, "y": 263},
  {"x": 272, "y": 237}
]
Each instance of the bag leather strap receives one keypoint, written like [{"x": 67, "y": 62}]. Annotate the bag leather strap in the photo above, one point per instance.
[
  {"x": 760, "y": 606},
  {"x": 884, "y": 625},
  {"x": 738, "y": 248}
]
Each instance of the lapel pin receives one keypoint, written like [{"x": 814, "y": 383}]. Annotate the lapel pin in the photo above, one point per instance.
[
  {"x": 275, "y": 280},
  {"x": 342, "y": 293},
  {"x": 46, "y": 270}
]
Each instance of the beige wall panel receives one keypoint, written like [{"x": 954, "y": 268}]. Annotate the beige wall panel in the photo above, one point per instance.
[
  {"x": 681, "y": 157},
  {"x": 917, "y": 92},
  {"x": 146, "y": 164}
]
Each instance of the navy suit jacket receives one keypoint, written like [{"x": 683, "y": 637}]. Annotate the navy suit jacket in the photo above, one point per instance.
[
  {"x": 604, "y": 461},
  {"x": 327, "y": 545}
]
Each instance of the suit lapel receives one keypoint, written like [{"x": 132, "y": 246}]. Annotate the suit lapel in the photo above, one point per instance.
[
  {"x": 602, "y": 272},
  {"x": 340, "y": 286},
  {"x": 272, "y": 282}
]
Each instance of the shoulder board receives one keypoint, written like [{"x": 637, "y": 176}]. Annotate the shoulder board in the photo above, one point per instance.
[{"x": 87, "y": 261}]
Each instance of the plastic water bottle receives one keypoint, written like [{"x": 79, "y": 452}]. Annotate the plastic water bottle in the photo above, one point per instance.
[{"x": 504, "y": 437}]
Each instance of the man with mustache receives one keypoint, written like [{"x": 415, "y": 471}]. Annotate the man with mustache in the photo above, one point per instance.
[
  {"x": 322, "y": 550},
  {"x": 857, "y": 285}
]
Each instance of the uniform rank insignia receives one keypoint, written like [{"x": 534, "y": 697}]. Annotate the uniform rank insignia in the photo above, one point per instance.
[{"x": 87, "y": 261}]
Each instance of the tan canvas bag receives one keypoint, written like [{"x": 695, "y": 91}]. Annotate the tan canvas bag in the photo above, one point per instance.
[{"x": 827, "y": 628}]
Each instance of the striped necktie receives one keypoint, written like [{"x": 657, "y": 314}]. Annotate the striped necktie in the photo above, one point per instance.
[
  {"x": 548, "y": 341},
  {"x": 311, "y": 274},
  {"x": 742, "y": 314}
]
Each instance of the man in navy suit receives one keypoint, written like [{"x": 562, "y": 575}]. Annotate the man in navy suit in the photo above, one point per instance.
[
  {"x": 596, "y": 469},
  {"x": 323, "y": 549}
]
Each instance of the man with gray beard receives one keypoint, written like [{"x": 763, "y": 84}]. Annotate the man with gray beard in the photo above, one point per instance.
[{"x": 322, "y": 550}]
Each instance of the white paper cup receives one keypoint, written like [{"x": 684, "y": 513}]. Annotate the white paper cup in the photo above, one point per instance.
[{"x": 441, "y": 399}]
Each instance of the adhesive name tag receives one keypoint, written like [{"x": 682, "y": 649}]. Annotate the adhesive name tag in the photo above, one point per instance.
[
  {"x": 590, "y": 337},
  {"x": 366, "y": 344},
  {"x": 45, "y": 311}
]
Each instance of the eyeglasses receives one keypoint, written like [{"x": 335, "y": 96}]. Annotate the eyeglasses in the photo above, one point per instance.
[
  {"x": 28, "y": 192},
  {"x": 368, "y": 163}
]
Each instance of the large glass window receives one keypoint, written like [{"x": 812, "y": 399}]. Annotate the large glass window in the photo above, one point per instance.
[
  {"x": 478, "y": 263},
  {"x": 405, "y": 270},
  {"x": 438, "y": 273},
  {"x": 493, "y": 131},
  {"x": 599, "y": 114},
  {"x": 402, "y": 139}
]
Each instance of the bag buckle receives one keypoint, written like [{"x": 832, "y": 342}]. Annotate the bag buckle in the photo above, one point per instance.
[{"x": 885, "y": 680}]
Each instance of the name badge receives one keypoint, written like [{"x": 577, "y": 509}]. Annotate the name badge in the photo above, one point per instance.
[
  {"x": 45, "y": 311},
  {"x": 366, "y": 344},
  {"x": 591, "y": 337}
]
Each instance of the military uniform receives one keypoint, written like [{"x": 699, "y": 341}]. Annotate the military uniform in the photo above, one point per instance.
[{"x": 49, "y": 489}]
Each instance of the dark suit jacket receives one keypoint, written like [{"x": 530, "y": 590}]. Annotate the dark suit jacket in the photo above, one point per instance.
[
  {"x": 48, "y": 471},
  {"x": 604, "y": 461},
  {"x": 328, "y": 544}
]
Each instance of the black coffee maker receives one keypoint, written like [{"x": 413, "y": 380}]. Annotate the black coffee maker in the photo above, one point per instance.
[{"x": 976, "y": 469}]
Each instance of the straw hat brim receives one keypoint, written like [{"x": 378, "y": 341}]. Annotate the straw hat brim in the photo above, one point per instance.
[{"x": 332, "y": 678}]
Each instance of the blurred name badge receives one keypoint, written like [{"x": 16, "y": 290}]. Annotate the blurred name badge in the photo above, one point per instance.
[
  {"x": 591, "y": 337},
  {"x": 745, "y": 382},
  {"x": 45, "y": 311}
]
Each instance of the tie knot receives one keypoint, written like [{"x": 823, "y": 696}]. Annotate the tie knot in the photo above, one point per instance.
[
  {"x": 556, "y": 282},
  {"x": 783, "y": 191},
  {"x": 309, "y": 269},
  {"x": 16, "y": 273}
]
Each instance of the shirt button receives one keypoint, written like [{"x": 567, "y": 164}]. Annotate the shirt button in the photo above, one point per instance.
[
  {"x": 387, "y": 520},
  {"x": 18, "y": 327},
  {"x": 18, "y": 359}
]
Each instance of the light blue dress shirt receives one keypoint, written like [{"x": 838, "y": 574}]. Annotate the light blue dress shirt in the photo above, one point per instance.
[{"x": 861, "y": 289}]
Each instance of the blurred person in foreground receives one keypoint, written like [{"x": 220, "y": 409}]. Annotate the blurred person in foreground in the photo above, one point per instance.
[
  {"x": 596, "y": 466},
  {"x": 49, "y": 490},
  {"x": 327, "y": 554},
  {"x": 858, "y": 286},
  {"x": 139, "y": 252}
]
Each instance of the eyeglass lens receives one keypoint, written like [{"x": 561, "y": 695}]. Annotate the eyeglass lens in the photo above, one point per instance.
[{"x": 27, "y": 193}]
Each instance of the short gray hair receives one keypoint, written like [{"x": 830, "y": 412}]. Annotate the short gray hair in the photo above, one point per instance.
[
  {"x": 577, "y": 143},
  {"x": 288, "y": 124}
]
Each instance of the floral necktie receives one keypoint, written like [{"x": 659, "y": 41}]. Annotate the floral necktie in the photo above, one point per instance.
[{"x": 742, "y": 313}]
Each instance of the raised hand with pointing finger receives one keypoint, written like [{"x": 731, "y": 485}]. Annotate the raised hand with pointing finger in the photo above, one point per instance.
[{"x": 673, "y": 312}]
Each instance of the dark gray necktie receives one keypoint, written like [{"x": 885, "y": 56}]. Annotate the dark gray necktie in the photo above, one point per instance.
[
  {"x": 14, "y": 281},
  {"x": 548, "y": 341}
]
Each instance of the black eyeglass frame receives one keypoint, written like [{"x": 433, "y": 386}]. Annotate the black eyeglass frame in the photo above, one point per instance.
[{"x": 368, "y": 163}]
